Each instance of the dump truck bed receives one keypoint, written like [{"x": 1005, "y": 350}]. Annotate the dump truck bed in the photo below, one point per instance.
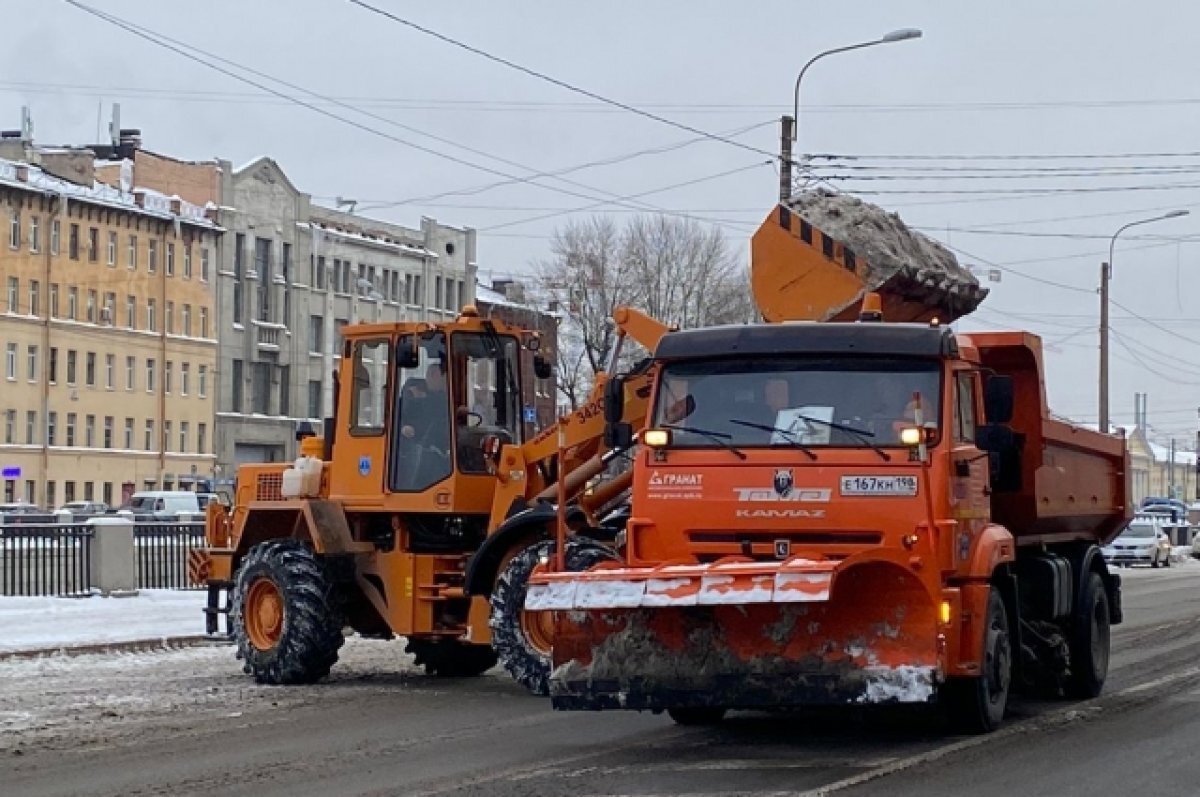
[{"x": 816, "y": 257}]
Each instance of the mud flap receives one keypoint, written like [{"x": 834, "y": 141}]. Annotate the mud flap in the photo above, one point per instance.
[{"x": 875, "y": 640}]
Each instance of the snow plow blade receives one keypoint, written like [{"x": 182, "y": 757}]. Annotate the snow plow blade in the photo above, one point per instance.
[{"x": 740, "y": 635}]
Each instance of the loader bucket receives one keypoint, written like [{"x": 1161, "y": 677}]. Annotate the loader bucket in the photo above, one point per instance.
[{"x": 871, "y": 638}]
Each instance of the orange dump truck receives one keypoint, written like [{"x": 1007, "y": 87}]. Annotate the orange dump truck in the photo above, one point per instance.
[{"x": 849, "y": 512}]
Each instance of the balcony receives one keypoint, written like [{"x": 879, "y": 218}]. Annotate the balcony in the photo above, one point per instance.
[{"x": 267, "y": 335}]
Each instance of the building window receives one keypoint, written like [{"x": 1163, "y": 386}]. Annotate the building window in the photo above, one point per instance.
[
  {"x": 166, "y": 441},
  {"x": 170, "y": 260},
  {"x": 130, "y": 373},
  {"x": 152, "y": 257},
  {"x": 110, "y": 371},
  {"x": 89, "y": 491},
  {"x": 129, "y": 434},
  {"x": 108, "y": 493},
  {"x": 201, "y": 438},
  {"x": 203, "y": 264},
  {"x": 169, "y": 318},
  {"x": 31, "y": 365},
  {"x": 70, "y": 441},
  {"x": 69, "y": 491},
  {"x": 318, "y": 277},
  {"x": 149, "y": 446},
  {"x": 202, "y": 377},
  {"x": 50, "y": 493},
  {"x": 237, "y": 386},
  {"x": 131, "y": 312},
  {"x": 187, "y": 320},
  {"x": 35, "y": 297},
  {"x": 71, "y": 367},
  {"x": 51, "y": 427},
  {"x": 89, "y": 431},
  {"x": 204, "y": 322},
  {"x": 73, "y": 243},
  {"x": 90, "y": 369},
  {"x": 285, "y": 389},
  {"x": 168, "y": 372},
  {"x": 30, "y": 491},
  {"x": 111, "y": 254},
  {"x": 185, "y": 374},
  {"x": 260, "y": 389},
  {"x": 183, "y": 436},
  {"x": 30, "y": 427},
  {"x": 14, "y": 229},
  {"x": 14, "y": 290},
  {"x": 73, "y": 303},
  {"x": 108, "y": 431},
  {"x": 262, "y": 266},
  {"x": 54, "y": 300},
  {"x": 93, "y": 244},
  {"x": 151, "y": 315},
  {"x": 131, "y": 253},
  {"x": 150, "y": 375},
  {"x": 187, "y": 261},
  {"x": 314, "y": 398},
  {"x": 316, "y": 333},
  {"x": 108, "y": 313},
  {"x": 53, "y": 376},
  {"x": 10, "y": 426},
  {"x": 35, "y": 234},
  {"x": 10, "y": 362},
  {"x": 91, "y": 307}
]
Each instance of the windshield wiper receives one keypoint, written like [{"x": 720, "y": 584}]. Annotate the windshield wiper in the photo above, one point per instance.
[
  {"x": 768, "y": 428},
  {"x": 862, "y": 434},
  {"x": 720, "y": 438}
]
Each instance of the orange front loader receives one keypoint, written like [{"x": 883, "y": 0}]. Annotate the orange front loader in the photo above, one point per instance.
[{"x": 848, "y": 512}]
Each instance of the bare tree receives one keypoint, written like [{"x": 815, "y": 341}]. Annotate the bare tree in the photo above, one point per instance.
[{"x": 677, "y": 270}]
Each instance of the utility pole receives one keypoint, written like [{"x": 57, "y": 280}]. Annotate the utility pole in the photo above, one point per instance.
[
  {"x": 787, "y": 126},
  {"x": 1105, "y": 276},
  {"x": 1171, "y": 471}
]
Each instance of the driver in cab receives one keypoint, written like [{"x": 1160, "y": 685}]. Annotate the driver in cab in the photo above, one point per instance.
[{"x": 426, "y": 411}]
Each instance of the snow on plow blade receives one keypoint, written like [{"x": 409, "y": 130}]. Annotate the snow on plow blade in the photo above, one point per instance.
[{"x": 739, "y": 635}]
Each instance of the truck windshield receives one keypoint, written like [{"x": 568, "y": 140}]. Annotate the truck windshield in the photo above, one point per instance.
[{"x": 846, "y": 402}]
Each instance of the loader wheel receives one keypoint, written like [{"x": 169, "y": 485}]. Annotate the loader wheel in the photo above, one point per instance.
[
  {"x": 1090, "y": 636},
  {"x": 451, "y": 659},
  {"x": 284, "y": 615},
  {"x": 706, "y": 715},
  {"x": 977, "y": 705},
  {"x": 524, "y": 640}
]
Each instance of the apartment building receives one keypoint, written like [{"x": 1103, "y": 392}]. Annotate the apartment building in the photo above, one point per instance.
[{"x": 107, "y": 332}]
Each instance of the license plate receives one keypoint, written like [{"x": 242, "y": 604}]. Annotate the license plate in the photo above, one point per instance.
[{"x": 879, "y": 485}]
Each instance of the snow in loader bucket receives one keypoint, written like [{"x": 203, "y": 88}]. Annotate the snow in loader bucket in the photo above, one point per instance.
[{"x": 863, "y": 634}]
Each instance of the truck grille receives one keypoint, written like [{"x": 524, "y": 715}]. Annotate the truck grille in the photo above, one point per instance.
[{"x": 709, "y": 546}]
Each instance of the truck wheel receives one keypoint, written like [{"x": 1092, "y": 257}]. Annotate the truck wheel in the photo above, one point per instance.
[
  {"x": 1090, "y": 637},
  {"x": 284, "y": 615},
  {"x": 524, "y": 640},
  {"x": 977, "y": 705},
  {"x": 451, "y": 659},
  {"x": 705, "y": 715}
]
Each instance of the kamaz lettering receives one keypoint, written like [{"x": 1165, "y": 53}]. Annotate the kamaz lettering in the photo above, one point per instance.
[{"x": 787, "y": 514}]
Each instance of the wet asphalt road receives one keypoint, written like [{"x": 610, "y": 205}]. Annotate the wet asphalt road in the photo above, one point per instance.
[{"x": 188, "y": 722}]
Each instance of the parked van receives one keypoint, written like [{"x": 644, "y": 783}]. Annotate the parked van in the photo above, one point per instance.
[{"x": 165, "y": 504}]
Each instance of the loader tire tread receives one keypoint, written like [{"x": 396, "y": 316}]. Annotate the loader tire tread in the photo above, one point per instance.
[
  {"x": 528, "y": 665},
  {"x": 312, "y": 628}
]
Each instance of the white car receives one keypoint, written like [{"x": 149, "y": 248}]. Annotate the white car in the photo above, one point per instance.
[{"x": 1143, "y": 542}]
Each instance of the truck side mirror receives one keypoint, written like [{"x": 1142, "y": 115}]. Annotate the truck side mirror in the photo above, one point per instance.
[
  {"x": 614, "y": 399},
  {"x": 541, "y": 367},
  {"x": 407, "y": 355},
  {"x": 998, "y": 399}
]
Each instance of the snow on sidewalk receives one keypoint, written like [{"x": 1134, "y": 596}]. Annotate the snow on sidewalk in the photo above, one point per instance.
[{"x": 38, "y": 623}]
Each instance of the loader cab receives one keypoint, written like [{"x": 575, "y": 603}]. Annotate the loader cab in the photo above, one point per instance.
[{"x": 421, "y": 407}]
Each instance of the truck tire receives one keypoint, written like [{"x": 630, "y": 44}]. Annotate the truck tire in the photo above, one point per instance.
[
  {"x": 284, "y": 614},
  {"x": 706, "y": 715},
  {"x": 977, "y": 705},
  {"x": 451, "y": 659},
  {"x": 1090, "y": 638},
  {"x": 523, "y": 640}
]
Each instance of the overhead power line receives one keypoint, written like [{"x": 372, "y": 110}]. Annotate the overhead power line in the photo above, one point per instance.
[{"x": 557, "y": 82}]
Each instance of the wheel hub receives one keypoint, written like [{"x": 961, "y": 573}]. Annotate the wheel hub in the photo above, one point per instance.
[
  {"x": 538, "y": 628},
  {"x": 264, "y": 614}
]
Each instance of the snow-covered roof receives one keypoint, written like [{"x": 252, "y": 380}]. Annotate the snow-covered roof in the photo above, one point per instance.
[
  {"x": 154, "y": 204},
  {"x": 1163, "y": 454},
  {"x": 497, "y": 299},
  {"x": 392, "y": 244}
]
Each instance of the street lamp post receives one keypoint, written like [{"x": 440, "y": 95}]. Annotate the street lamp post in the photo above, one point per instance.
[
  {"x": 790, "y": 124},
  {"x": 1105, "y": 277}
]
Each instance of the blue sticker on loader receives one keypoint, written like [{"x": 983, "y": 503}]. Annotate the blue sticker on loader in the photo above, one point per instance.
[{"x": 364, "y": 465}]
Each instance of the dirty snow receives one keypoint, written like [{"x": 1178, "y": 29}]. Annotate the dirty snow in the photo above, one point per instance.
[
  {"x": 898, "y": 685},
  {"x": 36, "y": 623}
]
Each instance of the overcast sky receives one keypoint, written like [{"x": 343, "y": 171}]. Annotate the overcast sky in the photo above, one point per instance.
[{"x": 1013, "y": 78}]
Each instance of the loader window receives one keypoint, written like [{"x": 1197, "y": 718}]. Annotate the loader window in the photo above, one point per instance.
[
  {"x": 488, "y": 400},
  {"x": 784, "y": 400},
  {"x": 370, "y": 387},
  {"x": 421, "y": 453}
]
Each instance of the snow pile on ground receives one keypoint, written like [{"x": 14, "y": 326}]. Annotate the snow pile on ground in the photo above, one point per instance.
[{"x": 37, "y": 623}]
